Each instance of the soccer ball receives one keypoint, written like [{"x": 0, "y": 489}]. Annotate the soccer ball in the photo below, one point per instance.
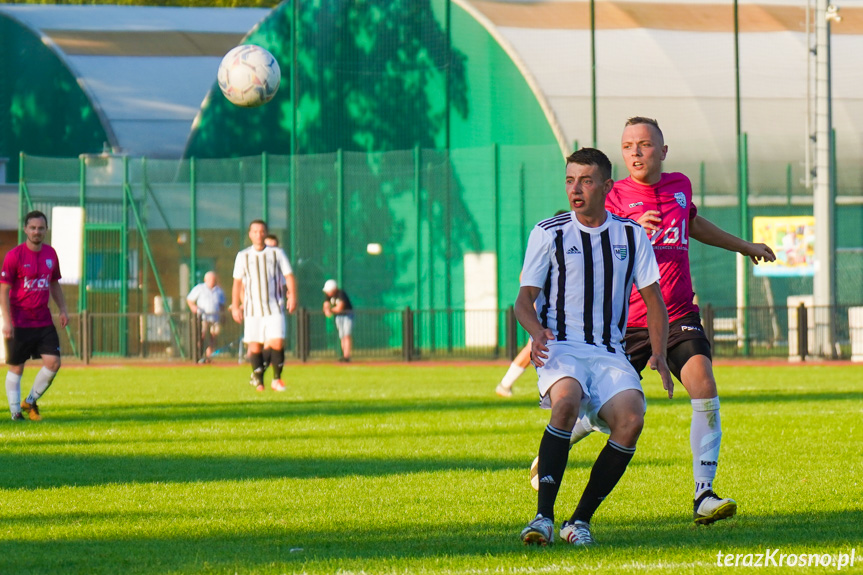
[{"x": 249, "y": 76}]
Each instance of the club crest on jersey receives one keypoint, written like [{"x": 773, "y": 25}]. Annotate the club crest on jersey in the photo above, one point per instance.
[
  {"x": 49, "y": 263},
  {"x": 681, "y": 199},
  {"x": 620, "y": 252}
]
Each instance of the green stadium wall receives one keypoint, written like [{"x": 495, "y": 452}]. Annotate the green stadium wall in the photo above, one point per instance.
[{"x": 43, "y": 110}]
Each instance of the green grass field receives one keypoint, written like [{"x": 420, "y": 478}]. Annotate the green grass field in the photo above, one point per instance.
[{"x": 407, "y": 469}]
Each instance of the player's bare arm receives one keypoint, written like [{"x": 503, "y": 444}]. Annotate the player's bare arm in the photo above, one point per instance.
[
  {"x": 657, "y": 327},
  {"x": 236, "y": 298},
  {"x": 709, "y": 233},
  {"x": 526, "y": 316},
  {"x": 4, "y": 307},
  {"x": 339, "y": 307},
  {"x": 57, "y": 294},
  {"x": 291, "y": 298}
]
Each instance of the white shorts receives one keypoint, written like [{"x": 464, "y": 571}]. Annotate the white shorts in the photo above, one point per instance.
[
  {"x": 261, "y": 329},
  {"x": 602, "y": 375},
  {"x": 345, "y": 324}
]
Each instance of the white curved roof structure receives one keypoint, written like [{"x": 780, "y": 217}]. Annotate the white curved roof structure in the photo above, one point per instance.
[
  {"x": 146, "y": 69},
  {"x": 674, "y": 61}
]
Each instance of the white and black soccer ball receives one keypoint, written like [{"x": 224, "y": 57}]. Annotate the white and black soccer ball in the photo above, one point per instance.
[{"x": 249, "y": 76}]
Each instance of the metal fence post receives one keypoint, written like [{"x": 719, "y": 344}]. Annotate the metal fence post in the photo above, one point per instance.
[
  {"x": 511, "y": 333},
  {"x": 195, "y": 326},
  {"x": 802, "y": 331},
  {"x": 407, "y": 334},
  {"x": 86, "y": 343},
  {"x": 709, "y": 314},
  {"x": 303, "y": 346}
]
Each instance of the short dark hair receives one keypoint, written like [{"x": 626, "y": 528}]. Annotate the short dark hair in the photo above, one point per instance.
[
  {"x": 33, "y": 215},
  {"x": 253, "y": 222},
  {"x": 272, "y": 237},
  {"x": 635, "y": 120},
  {"x": 591, "y": 157}
]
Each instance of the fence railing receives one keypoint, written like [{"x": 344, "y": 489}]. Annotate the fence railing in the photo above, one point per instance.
[{"x": 408, "y": 335}]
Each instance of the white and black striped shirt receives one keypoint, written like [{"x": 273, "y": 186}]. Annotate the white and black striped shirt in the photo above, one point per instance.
[
  {"x": 263, "y": 274},
  {"x": 586, "y": 274}
]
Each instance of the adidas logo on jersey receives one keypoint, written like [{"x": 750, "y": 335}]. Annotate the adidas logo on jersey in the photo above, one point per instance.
[
  {"x": 573, "y": 250},
  {"x": 547, "y": 479}
]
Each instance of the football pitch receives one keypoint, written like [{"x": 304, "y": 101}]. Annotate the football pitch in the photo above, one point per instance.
[{"x": 410, "y": 469}]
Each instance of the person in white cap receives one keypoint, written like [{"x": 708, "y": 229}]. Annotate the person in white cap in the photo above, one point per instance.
[{"x": 337, "y": 304}]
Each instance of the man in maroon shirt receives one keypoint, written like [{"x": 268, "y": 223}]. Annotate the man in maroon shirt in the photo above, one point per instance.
[{"x": 31, "y": 275}]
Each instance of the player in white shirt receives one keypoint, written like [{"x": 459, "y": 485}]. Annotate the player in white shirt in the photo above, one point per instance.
[
  {"x": 255, "y": 302},
  {"x": 272, "y": 241},
  {"x": 578, "y": 271}
]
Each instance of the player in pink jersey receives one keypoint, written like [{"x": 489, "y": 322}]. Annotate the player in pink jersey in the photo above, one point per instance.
[
  {"x": 30, "y": 276},
  {"x": 662, "y": 204}
]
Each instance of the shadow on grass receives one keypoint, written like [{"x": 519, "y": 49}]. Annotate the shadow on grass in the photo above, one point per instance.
[
  {"x": 352, "y": 545},
  {"x": 246, "y": 409},
  {"x": 32, "y": 470},
  {"x": 768, "y": 397},
  {"x": 256, "y": 409}
]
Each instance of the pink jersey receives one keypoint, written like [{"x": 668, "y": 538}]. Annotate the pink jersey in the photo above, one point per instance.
[
  {"x": 30, "y": 274},
  {"x": 672, "y": 197}
]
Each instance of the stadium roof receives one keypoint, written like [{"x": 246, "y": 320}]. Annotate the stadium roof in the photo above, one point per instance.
[
  {"x": 146, "y": 69},
  {"x": 674, "y": 60}
]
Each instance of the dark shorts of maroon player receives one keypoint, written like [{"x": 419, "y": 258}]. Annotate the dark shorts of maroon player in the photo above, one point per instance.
[
  {"x": 686, "y": 339},
  {"x": 31, "y": 343}
]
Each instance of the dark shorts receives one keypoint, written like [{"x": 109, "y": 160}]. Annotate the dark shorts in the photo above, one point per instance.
[
  {"x": 32, "y": 343},
  {"x": 686, "y": 339}
]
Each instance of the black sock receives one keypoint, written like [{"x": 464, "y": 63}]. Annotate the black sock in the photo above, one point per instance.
[
  {"x": 277, "y": 356},
  {"x": 606, "y": 472},
  {"x": 553, "y": 453},
  {"x": 268, "y": 357},
  {"x": 257, "y": 361}
]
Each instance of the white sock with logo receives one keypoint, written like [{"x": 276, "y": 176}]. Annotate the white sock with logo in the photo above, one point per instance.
[
  {"x": 512, "y": 374},
  {"x": 13, "y": 392},
  {"x": 41, "y": 384},
  {"x": 705, "y": 436}
]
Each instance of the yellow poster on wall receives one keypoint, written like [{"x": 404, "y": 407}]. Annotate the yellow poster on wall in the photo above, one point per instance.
[{"x": 792, "y": 239}]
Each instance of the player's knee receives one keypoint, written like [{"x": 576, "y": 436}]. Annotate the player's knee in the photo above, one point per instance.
[
  {"x": 628, "y": 427},
  {"x": 564, "y": 413}
]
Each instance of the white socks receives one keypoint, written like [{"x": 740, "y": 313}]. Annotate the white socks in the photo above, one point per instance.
[
  {"x": 705, "y": 435},
  {"x": 40, "y": 384},
  {"x": 13, "y": 392},
  {"x": 583, "y": 427},
  {"x": 512, "y": 374}
]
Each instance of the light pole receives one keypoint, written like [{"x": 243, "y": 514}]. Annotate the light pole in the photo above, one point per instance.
[{"x": 824, "y": 285}]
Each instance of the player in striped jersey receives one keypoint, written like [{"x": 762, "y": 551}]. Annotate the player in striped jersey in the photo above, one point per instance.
[
  {"x": 255, "y": 302},
  {"x": 272, "y": 241},
  {"x": 578, "y": 270}
]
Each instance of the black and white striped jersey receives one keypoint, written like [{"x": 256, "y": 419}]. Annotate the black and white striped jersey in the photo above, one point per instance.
[
  {"x": 263, "y": 274},
  {"x": 586, "y": 274}
]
